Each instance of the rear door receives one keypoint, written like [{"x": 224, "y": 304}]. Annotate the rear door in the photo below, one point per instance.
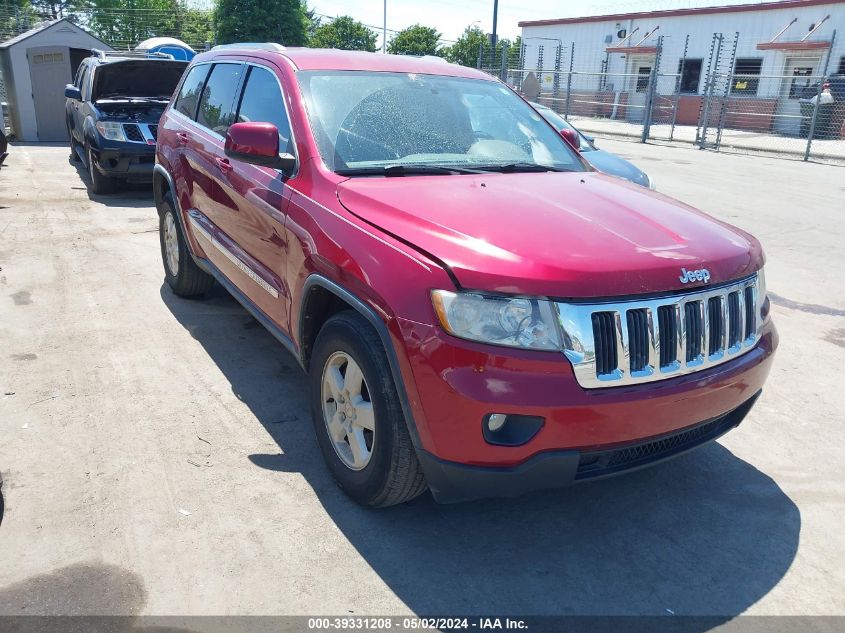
[{"x": 252, "y": 200}]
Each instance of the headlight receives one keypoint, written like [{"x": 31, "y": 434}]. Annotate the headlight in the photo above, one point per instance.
[
  {"x": 111, "y": 130},
  {"x": 514, "y": 322}
]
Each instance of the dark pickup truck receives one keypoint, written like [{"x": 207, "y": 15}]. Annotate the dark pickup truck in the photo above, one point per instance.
[{"x": 113, "y": 107}]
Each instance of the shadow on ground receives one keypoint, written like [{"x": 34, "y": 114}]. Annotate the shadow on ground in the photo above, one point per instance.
[
  {"x": 705, "y": 534},
  {"x": 128, "y": 194}
]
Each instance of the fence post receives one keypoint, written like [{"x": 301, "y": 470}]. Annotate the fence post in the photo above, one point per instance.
[
  {"x": 726, "y": 93},
  {"x": 480, "y": 55},
  {"x": 569, "y": 80},
  {"x": 652, "y": 88},
  {"x": 818, "y": 99},
  {"x": 556, "y": 84},
  {"x": 712, "y": 71},
  {"x": 678, "y": 88},
  {"x": 503, "y": 75}
]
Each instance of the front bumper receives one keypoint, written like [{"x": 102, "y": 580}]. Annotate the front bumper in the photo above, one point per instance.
[
  {"x": 133, "y": 161},
  {"x": 451, "y": 482},
  {"x": 454, "y": 384}
]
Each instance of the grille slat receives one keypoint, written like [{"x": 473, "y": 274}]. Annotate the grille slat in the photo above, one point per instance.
[
  {"x": 605, "y": 336},
  {"x": 750, "y": 312},
  {"x": 668, "y": 335},
  {"x": 733, "y": 319},
  {"x": 694, "y": 329},
  {"x": 717, "y": 325},
  {"x": 642, "y": 340},
  {"x": 638, "y": 339}
]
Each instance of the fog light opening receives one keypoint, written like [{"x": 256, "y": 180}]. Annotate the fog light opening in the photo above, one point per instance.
[
  {"x": 511, "y": 429},
  {"x": 496, "y": 421}
]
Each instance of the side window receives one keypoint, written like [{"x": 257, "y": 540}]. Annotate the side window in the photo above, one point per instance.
[
  {"x": 189, "y": 94},
  {"x": 217, "y": 104},
  {"x": 83, "y": 81},
  {"x": 262, "y": 102},
  {"x": 78, "y": 77}
]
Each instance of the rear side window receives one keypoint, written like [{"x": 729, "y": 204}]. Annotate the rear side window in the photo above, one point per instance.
[
  {"x": 262, "y": 103},
  {"x": 83, "y": 81},
  {"x": 189, "y": 95},
  {"x": 217, "y": 105}
]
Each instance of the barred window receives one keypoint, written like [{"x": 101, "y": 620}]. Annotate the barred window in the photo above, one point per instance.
[
  {"x": 746, "y": 75},
  {"x": 690, "y": 72}
]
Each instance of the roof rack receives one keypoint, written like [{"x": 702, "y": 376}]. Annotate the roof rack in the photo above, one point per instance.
[
  {"x": 264, "y": 46},
  {"x": 104, "y": 55}
]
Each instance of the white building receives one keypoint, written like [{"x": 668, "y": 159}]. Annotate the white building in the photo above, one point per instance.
[{"x": 780, "y": 47}]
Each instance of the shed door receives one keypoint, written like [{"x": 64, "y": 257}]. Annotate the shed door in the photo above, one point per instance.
[{"x": 49, "y": 69}]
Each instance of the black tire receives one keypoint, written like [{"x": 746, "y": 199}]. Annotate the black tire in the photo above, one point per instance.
[
  {"x": 100, "y": 184},
  {"x": 393, "y": 474},
  {"x": 188, "y": 280},
  {"x": 74, "y": 157}
]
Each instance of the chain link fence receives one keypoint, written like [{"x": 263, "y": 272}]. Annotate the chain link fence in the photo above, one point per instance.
[{"x": 732, "y": 98}]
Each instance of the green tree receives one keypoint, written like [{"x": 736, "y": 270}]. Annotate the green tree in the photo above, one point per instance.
[
  {"x": 465, "y": 50},
  {"x": 345, "y": 34},
  {"x": 54, "y": 9},
  {"x": 125, "y": 23},
  {"x": 312, "y": 20},
  {"x": 281, "y": 21},
  {"x": 415, "y": 40},
  {"x": 195, "y": 27}
]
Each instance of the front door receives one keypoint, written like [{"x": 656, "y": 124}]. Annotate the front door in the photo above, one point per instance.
[
  {"x": 640, "y": 73},
  {"x": 49, "y": 71},
  {"x": 252, "y": 200},
  {"x": 798, "y": 73}
]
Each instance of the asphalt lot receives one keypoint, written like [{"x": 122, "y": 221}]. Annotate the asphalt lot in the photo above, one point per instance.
[{"x": 157, "y": 455}]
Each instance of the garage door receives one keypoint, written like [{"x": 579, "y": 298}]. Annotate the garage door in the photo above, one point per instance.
[{"x": 49, "y": 70}]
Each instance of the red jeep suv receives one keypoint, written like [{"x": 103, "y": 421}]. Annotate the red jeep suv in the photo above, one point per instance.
[{"x": 479, "y": 312}]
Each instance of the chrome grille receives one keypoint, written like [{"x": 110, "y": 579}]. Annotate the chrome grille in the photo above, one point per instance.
[
  {"x": 146, "y": 133},
  {"x": 642, "y": 340}
]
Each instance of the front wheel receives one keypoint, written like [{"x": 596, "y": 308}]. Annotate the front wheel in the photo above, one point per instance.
[
  {"x": 358, "y": 417},
  {"x": 100, "y": 184}
]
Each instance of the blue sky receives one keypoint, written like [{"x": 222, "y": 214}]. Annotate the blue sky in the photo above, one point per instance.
[{"x": 450, "y": 17}]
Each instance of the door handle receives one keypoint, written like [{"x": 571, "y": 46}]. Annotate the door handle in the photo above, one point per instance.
[
  {"x": 183, "y": 138},
  {"x": 224, "y": 164}
]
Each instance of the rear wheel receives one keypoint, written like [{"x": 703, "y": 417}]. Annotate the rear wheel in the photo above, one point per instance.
[
  {"x": 100, "y": 184},
  {"x": 184, "y": 277},
  {"x": 358, "y": 417}
]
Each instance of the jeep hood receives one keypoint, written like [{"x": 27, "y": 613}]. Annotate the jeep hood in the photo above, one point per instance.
[
  {"x": 137, "y": 78},
  {"x": 553, "y": 234}
]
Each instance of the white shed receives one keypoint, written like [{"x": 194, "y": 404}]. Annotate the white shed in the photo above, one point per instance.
[{"x": 36, "y": 66}]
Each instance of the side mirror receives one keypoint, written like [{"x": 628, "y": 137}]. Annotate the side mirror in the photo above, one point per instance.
[
  {"x": 257, "y": 144},
  {"x": 72, "y": 92},
  {"x": 571, "y": 136}
]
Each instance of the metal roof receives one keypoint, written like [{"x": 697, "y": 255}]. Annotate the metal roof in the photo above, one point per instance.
[{"x": 44, "y": 26}]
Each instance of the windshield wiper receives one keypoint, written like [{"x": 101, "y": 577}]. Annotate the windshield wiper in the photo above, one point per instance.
[
  {"x": 406, "y": 170},
  {"x": 509, "y": 168}
]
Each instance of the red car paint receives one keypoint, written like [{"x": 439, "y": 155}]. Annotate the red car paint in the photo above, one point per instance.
[{"x": 389, "y": 241}]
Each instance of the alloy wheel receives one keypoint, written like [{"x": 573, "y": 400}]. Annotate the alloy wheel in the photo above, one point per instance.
[{"x": 348, "y": 411}]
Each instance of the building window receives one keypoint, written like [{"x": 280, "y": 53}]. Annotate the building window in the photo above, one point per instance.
[
  {"x": 643, "y": 76},
  {"x": 746, "y": 75},
  {"x": 690, "y": 72},
  {"x": 841, "y": 70}
]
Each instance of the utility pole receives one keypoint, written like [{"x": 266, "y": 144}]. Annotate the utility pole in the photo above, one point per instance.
[
  {"x": 384, "y": 31},
  {"x": 495, "y": 20}
]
